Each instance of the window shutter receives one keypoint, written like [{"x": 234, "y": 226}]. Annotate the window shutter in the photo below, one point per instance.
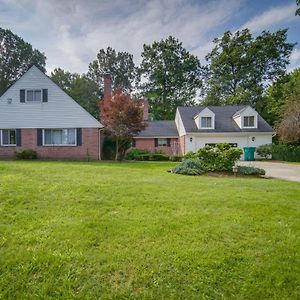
[
  {"x": 40, "y": 137},
  {"x": 22, "y": 96},
  {"x": 18, "y": 137},
  {"x": 45, "y": 95},
  {"x": 168, "y": 142},
  {"x": 79, "y": 136},
  {"x": 156, "y": 142},
  {"x": 0, "y": 137}
]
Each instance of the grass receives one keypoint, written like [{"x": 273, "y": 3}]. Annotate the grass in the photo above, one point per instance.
[{"x": 133, "y": 231}]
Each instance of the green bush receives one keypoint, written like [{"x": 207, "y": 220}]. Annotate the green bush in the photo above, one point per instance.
[
  {"x": 222, "y": 157},
  {"x": 264, "y": 150},
  {"x": 286, "y": 152},
  {"x": 159, "y": 157},
  {"x": 250, "y": 171},
  {"x": 175, "y": 158},
  {"x": 190, "y": 154},
  {"x": 26, "y": 154},
  {"x": 190, "y": 166},
  {"x": 132, "y": 154}
]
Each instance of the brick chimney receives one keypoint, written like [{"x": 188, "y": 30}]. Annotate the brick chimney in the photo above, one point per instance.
[
  {"x": 145, "y": 106},
  {"x": 107, "y": 91}
]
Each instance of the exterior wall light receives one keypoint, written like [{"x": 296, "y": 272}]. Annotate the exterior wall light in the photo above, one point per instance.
[
  {"x": 253, "y": 138},
  {"x": 191, "y": 139}
]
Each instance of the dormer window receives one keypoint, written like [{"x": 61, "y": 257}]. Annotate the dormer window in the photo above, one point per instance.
[
  {"x": 248, "y": 121},
  {"x": 34, "y": 95},
  {"x": 206, "y": 122}
]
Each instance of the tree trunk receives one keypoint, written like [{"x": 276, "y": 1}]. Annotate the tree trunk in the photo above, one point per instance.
[{"x": 117, "y": 149}]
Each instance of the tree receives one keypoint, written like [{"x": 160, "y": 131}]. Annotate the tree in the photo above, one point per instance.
[
  {"x": 298, "y": 8},
  {"x": 289, "y": 127},
  {"x": 172, "y": 77},
  {"x": 279, "y": 95},
  {"x": 119, "y": 65},
  {"x": 16, "y": 57},
  {"x": 122, "y": 118},
  {"x": 239, "y": 66},
  {"x": 80, "y": 88}
]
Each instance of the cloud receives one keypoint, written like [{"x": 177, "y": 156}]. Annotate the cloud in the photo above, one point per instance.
[
  {"x": 294, "y": 60},
  {"x": 271, "y": 18},
  {"x": 72, "y": 32}
]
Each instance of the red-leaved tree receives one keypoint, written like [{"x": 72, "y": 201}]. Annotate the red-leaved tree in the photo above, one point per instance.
[{"x": 123, "y": 118}]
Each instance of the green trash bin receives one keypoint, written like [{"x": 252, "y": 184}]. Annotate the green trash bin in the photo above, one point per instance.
[{"x": 249, "y": 153}]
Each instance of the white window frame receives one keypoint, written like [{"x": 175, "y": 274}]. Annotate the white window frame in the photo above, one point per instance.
[
  {"x": 59, "y": 145},
  {"x": 211, "y": 122},
  {"x": 252, "y": 126},
  {"x": 9, "y": 145},
  {"x": 34, "y": 90},
  {"x": 164, "y": 145}
]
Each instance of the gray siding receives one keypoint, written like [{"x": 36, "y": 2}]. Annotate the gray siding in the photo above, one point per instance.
[{"x": 61, "y": 111}]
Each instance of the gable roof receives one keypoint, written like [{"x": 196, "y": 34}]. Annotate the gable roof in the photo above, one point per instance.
[
  {"x": 61, "y": 111},
  {"x": 223, "y": 119},
  {"x": 160, "y": 129}
]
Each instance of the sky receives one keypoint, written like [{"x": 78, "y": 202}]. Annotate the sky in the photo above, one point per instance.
[{"x": 71, "y": 32}]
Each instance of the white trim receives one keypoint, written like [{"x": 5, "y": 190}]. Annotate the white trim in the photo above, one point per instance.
[
  {"x": 156, "y": 137},
  {"x": 8, "y": 145},
  {"x": 231, "y": 133},
  {"x": 58, "y": 145}
]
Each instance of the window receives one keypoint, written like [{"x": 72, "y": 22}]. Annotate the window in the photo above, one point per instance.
[
  {"x": 133, "y": 143},
  {"x": 206, "y": 122},
  {"x": 8, "y": 137},
  {"x": 162, "y": 142},
  {"x": 249, "y": 121},
  {"x": 233, "y": 145},
  {"x": 34, "y": 95},
  {"x": 59, "y": 137}
]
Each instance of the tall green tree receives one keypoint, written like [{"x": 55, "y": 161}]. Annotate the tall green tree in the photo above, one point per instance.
[
  {"x": 119, "y": 65},
  {"x": 82, "y": 89},
  {"x": 16, "y": 56},
  {"x": 240, "y": 66},
  {"x": 171, "y": 77}
]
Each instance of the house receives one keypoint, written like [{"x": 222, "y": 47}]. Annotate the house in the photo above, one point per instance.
[
  {"x": 198, "y": 126},
  {"x": 36, "y": 114}
]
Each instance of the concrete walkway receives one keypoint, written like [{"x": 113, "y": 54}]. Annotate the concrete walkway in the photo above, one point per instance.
[{"x": 276, "y": 169}]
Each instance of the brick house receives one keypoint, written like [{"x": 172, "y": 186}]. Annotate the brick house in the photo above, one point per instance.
[
  {"x": 194, "y": 127},
  {"x": 36, "y": 114}
]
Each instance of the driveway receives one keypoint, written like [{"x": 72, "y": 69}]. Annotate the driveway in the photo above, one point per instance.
[{"x": 276, "y": 169}]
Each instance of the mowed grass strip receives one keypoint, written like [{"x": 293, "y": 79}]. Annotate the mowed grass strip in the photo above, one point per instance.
[{"x": 133, "y": 231}]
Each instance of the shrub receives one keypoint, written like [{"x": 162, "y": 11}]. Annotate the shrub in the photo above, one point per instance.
[
  {"x": 190, "y": 154},
  {"x": 26, "y": 154},
  {"x": 159, "y": 157},
  {"x": 190, "y": 166},
  {"x": 250, "y": 171},
  {"x": 222, "y": 157},
  {"x": 287, "y": 152},
  {"x": 175, "y": 158},
  {"x": 132, "y": 154},
  {"x": 264, "y": 150}
]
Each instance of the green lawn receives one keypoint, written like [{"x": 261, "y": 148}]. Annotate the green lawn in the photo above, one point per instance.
[{"x": 132, "y": 230}]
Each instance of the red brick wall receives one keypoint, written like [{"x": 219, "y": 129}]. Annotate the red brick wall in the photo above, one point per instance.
[
  {"x": 90, "y": 146},
  {"x": 149, "y": 143},
  {"x": 181, "y": 144}
]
